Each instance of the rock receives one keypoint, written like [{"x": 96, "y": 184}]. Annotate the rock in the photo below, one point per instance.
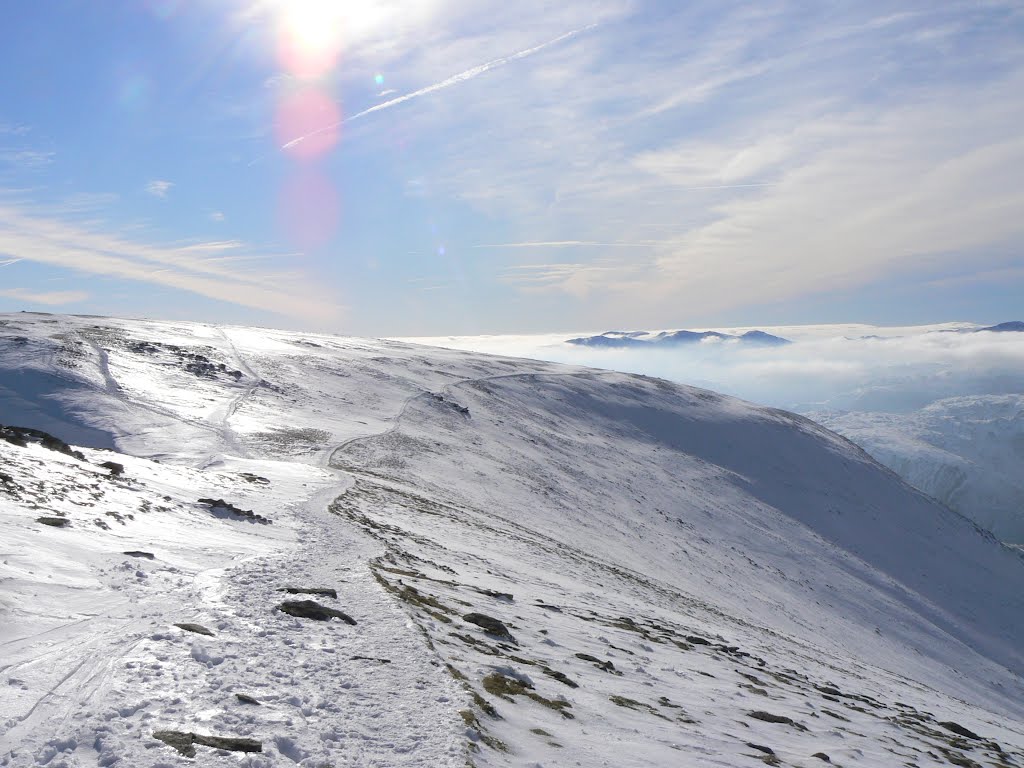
[
  {"x": 310, "y": 609},
  {"x": 761, "y": 748},
  {"x": 56, "y": 522},
  {"x": 116, "y": 470},
  {"x": 199, "y": 629},
  {"x": 370, "y": 658},
  {"x": 768, "y": 717},
  {"x": 244, "y": 699},
  {"x": 321, "y": 591},
  {"x": 959, "y": 730},
  {"x": 185, "y": 742},
  {"x": 490, "y": 625},
  {"x": 221, "y": 508},
  {"x": 22, "y": 436},
  {"x": 822, "y": 756},
  {"x": 607, "y": 666},
  {"x": 560, "y": 677},
  {"x": 139, "y": 553},
  {"x": 180, "y": 741},
  {"x": 697, "y": 640},
  {"x": 503, "y": 596}
]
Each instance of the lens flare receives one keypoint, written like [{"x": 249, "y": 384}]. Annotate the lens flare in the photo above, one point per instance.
[{"x": 308, "y": 123}]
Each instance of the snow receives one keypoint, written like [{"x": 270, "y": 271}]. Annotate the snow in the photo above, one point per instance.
[
  {"x": 964, "y": 451},
  {"x": 668, "y": 562}
]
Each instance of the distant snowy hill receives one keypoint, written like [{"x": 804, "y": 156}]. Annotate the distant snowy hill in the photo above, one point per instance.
[
  {"x": 643, "y": 339},
  {"x": 518, "y": 563},
  {"x": 965, "y": 451}
]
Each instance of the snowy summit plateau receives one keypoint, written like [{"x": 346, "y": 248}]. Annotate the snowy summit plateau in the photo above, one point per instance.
[{"x": 228, "y": 546}]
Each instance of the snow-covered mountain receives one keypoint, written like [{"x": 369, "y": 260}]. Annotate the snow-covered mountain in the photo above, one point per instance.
[
  {"x": 965, "y": 451},
  {"x": 523, "y": 563}
]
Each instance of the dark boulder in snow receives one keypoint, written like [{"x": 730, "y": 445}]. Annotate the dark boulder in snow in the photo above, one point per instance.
[
  {"x": 185, "y": 742},
  {"x": 199, "y": 629},
  {"x": 310, "y": 609},
  {"x": 490, "y": 625},
  {"x": 959, "y": 730},
  {"x": 22, "y": 436}
]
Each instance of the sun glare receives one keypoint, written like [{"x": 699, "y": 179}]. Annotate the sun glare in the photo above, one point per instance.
[{"x": 311, "y": 34}]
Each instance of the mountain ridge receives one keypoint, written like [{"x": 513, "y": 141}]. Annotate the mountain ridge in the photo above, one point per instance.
[{"x": 543, "y": 563}]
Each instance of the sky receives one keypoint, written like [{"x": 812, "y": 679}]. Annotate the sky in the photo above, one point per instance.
[{"x": 427, "y": 167}]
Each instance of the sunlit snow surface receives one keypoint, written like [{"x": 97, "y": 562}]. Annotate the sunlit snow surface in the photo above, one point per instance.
[
  {"x": 666, "y": 561},
  {"x": 941, "y": 405}
]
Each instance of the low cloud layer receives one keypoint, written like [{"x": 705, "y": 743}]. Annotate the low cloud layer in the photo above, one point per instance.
[{"x": 852, "y": 367}]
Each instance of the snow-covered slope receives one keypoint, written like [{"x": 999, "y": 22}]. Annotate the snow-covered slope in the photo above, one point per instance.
[
  {"x": 965, "y": 451},
  {"x": 546, "y": 566}
]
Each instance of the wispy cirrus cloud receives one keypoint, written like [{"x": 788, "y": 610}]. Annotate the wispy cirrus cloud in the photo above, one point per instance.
[
  {"x": 778, "y": 153},
  {"x": 27, "y": 159},
  {"x": 49, "y": 298},
  {"x": 220, "y": 270}
]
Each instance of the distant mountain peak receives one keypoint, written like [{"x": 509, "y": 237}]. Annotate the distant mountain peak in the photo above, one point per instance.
[
  {"x": 1014, "y": 326},
  {"x": 638, "y": 339}
]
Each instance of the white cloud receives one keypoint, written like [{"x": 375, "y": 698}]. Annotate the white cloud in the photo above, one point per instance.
[
  {"x": 159, "y": 187},
  {"x": 856, "y": 367},
  {"x": 50, "y": 298},
  {"x": 762, "y": 153},
  {"x": 219, "y": 270},
  {"x": 27, "y": 159},
  {"x": 217, "y": 216}
]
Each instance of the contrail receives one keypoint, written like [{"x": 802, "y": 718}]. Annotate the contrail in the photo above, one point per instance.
[
  {"x": 462, "y": 77},
  {"x": 9, "y": 262},
  {"x": 732, "y": 186},
  {"x": 563, "y": 244}
]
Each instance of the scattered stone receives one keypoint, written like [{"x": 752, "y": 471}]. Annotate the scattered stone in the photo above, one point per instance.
[
  {"x": 768, "y": 717},
  {"x": 310, "y": 609},
  {"x": 139, "y": 553},
  {"x": 959, "y": 730},
  {"x": 56, "y": 522},
  {"x": 490, "y": 625},
  {"x": 321, "y": 591},
  {"x": 761, "y": 748},
  {"x": 503, "y": 596},
  {"x": 560, "y": 677},
  {"x": 22, "y": 436},
  {"x": 697, "y": 640},
  {"x": 185, "y": 742},
  {"x": 199, "y": 629},
  {"x": 116, "y": 470},
  {"x": 607, "y": 666},
  {"x": 822, "y": 756},
  {"x": 245, "y": 699},
  {"x": 257, "y": 479},
  {"x": 370, "y": 658}
]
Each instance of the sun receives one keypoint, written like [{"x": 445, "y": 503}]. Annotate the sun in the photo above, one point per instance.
[{"x": 310, "y": 35}]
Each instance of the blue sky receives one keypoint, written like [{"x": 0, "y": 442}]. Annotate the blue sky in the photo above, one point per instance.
[{"x": 445, "y": 166}]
